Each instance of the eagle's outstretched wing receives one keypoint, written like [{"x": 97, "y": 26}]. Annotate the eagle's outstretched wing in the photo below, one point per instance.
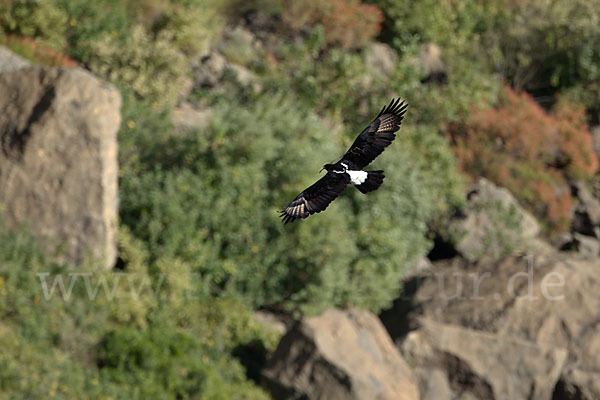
[
  {"x": 316, "y": 198},
  {"x": 377, "y": 136}
]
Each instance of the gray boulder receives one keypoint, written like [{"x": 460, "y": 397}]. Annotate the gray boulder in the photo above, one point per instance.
[
  {"x": 381, "y": 59},
  {"x": 209, "y": 71},
  {"x": 482, "y": 365},
  {"x": 494, "y": 224},
  {"x": 432, "y": 64},
  {"x": 240, "y": 46},
  {"x": 339, "y": 355},
  {"x": 187, "y": 117},
  {"x": 212, "y": 70},
  {"x": 586, "y": 246},
  {"x": 505, "y": 326},
  {"x": 58, "y": 164},
  {"x": 10, "y": 61}
]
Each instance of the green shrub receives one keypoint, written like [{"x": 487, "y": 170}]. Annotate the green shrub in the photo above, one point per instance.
[
  {"x": 454, "y": 25},
  {"x": 165, "y": 360},
  {"x": 467, "y": 87},
  {"x": 36, "y": 19},
  {"x": 144, "y": 46},
  {"x": 333, "y": 82},
  {"x": 195, "y": 24},
  {"x": 151, "y": 67},
  {"x": 548, "y": 44},
  {"x": 91, "y": 21},
  {"x": 211, "y": 199},
  {"x": 131, "y": 346},
  {"x": 540, "y": 47}
]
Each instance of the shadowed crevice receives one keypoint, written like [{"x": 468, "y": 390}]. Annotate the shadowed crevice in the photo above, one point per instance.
[{"x": 15, "y": 141}]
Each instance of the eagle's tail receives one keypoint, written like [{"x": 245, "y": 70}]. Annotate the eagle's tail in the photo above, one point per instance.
[{"x": 373, "y": 181}]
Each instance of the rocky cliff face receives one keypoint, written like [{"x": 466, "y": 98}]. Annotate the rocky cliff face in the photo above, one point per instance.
[
  {"x": 58, "y": 158},
  {"x": 518, "y": 328}
]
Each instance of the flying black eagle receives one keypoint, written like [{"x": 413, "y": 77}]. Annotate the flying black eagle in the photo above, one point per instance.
[{"x": 368, "y": 145}]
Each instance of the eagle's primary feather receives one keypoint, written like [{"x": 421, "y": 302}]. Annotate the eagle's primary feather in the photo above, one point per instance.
[
  {"x": 349, "y": 169},
  {"x": 377, "y": 136},
  {"x": 316, "y": 198}
]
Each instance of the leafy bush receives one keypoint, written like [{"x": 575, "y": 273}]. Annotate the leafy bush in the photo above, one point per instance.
[
  {"x": 194, "y": 25},
  {"x": 347, "y": 23},
  {"x": 336, "y": 83},
  {"x": 149, "y": 66},
  {"x": 141, "y": 45},
  {"x": 162, "y": 360},
  {"x": 91, "y": 21},
  {"x": 438, "y": 105},
  {"x": 153, "y": 58},
  {"x": 547, "y": 44},
  {"x": 37, "y": 19},
  {"x": 454, "y": 25},
  {"x": 519, "y": 146},
  {"x": 134, "y": 344},
  {"x": 540, "y": 47},
  {"x": 211, "y": 199}
]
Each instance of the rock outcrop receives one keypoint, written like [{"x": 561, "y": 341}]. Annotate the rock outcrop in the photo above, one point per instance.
[
  {"x": 339, "y": 355},
  {"x": 381, "y": 59},
  {"x": 10, "y": 61},
  {"x": 431, "y": 63},
  {"x": 482, "y": 365},
  {"x": 58, "y": 164},
  {"x": 186, "y": 117},
  {"x": 494, "y": 224},
  {"x": 522, "y": 327}
]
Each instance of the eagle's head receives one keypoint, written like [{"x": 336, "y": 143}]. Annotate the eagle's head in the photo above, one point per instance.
[
  {"x": 327, "y": 167},
  {"x": 338, "y": 167}
]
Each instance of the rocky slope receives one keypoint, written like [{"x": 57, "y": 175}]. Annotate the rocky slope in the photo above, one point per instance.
[{"x": 522, "y": 327}]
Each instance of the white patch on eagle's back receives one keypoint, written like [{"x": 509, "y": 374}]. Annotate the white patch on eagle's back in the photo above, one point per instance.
[
  {"x": 344, "y": 165},
  {"x": 357, "y": 177}
]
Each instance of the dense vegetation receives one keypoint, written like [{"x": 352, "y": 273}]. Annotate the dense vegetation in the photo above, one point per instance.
[{"x": 200, "y": 235}]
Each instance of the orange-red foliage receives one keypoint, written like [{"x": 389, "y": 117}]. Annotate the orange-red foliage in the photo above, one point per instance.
[
  {"x": 520, "y": 146},
  {"x": 347, "y": 23},
  {"x": 29, "y": 49}
]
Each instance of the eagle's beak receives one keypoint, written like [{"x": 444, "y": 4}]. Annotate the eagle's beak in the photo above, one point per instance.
[{"x": 322, "y": 169}]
